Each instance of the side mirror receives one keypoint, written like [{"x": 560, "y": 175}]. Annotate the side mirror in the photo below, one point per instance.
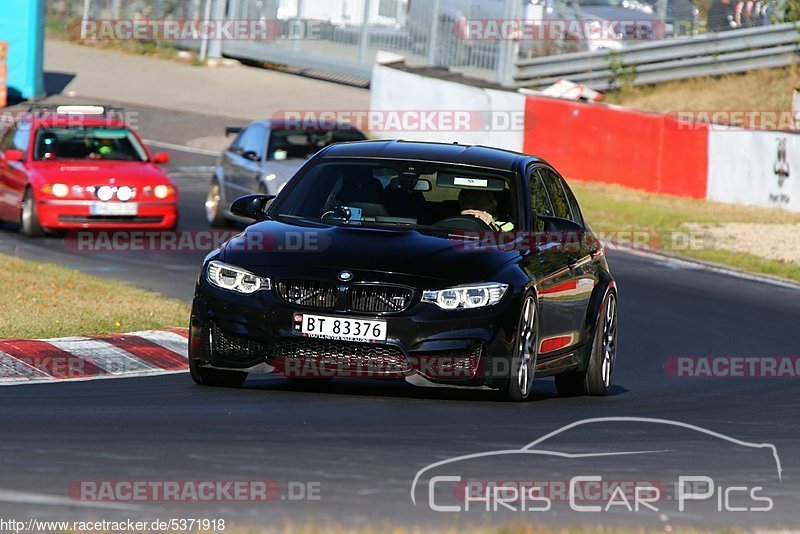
[
  {"x": 251, "y": 206},
  {"x": 162, "y": 158},
  {"x": 14, "y": 155},
  {"x": 252, "y": 156},
  {"x": 567, "y": 234}
]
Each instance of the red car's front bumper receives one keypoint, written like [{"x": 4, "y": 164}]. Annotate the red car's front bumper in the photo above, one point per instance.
[{"x": 75, "y": 214}]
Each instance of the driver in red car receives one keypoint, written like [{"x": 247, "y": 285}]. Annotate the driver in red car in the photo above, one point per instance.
[{"x": 49, "y": 145}]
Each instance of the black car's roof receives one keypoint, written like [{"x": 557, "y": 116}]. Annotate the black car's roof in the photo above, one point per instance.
[{"x": 481, "y": 156}]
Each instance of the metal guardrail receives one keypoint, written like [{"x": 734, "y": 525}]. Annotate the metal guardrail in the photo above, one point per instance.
[{"x": 662, "y": 61}]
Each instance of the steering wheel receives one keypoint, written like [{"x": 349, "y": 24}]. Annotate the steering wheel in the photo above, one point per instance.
[{"x": 463, "y": 222}]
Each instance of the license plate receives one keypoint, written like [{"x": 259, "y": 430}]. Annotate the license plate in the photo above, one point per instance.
[
  {"x": 113, "y": 208},
  {"x": 341, "y": 328}
]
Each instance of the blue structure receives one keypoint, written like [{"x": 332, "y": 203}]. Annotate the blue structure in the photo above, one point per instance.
[{"x": 22, "y": 27}]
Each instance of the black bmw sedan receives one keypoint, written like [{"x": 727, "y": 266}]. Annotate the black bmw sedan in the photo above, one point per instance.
[{"x": 441, "y": 265}]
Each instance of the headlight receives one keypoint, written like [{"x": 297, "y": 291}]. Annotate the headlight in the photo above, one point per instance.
[
  {"x": 60, "y": 190},
  {"x": 125, "y": 193},
  {"x": 235, "y": 279},
  {"x": 163, "y": 191},
  {"x": 105, "y": 193},
  {"x": 473, "y": 296}
]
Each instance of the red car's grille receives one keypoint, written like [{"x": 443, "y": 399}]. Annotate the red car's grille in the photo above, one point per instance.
[{"x": 109, "y": 219}]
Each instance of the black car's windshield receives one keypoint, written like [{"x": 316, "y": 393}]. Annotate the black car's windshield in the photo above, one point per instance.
[
  {"x": 403, "y": 194},
  {"x": 100, "y": 143},
  {"x": 292, "y": 144}
]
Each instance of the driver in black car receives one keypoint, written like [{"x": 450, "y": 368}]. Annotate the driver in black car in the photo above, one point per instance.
[{"x": 482, "y": 205}]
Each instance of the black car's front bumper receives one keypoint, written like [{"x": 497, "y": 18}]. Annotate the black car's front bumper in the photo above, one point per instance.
[{"x": 424, "y": 344}]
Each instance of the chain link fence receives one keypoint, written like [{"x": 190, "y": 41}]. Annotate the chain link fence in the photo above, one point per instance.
[
  {"x": 339, "y": 36},
  {"x": 344, "y": 36}
]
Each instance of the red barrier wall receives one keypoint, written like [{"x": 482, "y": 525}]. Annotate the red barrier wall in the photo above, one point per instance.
[{"x": 607, "y": 144}]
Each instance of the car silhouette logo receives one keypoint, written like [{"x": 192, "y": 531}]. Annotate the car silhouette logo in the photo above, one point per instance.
[
  {"x": 345, "y": 276},
  {"x": 781, "y": 168}
]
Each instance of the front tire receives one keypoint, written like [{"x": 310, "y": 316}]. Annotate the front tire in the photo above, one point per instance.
[
  {"x": 29, "y": 218},
  {"x": 213, "y": 205},
  {"x": 526, "y": 351},
  {"x": 596, "y": 380},
  {"x": 206, "y": 376}
]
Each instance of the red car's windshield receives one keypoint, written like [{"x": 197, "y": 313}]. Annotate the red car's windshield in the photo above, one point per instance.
[{"x": 88, "y": 142}]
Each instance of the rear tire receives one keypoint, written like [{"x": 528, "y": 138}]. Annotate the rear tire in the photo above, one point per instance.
[
  {"x": 596, "y": 380},
  {"x": 519, "y": 387},
  {"x": 214, "y": 212},
  {"x": 29, "y": 218},
  {"x": 206, "y": 376}
]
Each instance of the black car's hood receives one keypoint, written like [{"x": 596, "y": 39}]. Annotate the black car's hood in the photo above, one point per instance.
[{"x": 413, "y": 253}]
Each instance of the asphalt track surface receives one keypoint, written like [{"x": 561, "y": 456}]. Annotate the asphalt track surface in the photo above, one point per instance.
[{"x": 363, "y": 441}]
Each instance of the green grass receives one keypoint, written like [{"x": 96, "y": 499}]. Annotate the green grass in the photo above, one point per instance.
[
  {"x": 610, "y": 208},
  {"x": 56, "y": 27},
  {"x": 762, "y": 90},
  {"x": 42, "y": 300}
]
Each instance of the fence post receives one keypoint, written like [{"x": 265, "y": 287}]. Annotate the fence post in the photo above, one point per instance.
[
  {"x": 509, "y": 48},
  {"x": 363, "y": 42},
  {"x": 233, "y": 10},
  {"x": 433, "y": 33},
  {"x": 87, "y": 5},
  {"x": 297, "y": 44},
  {"x": 218, "y": 15},
  {"x": 661, "y": 13},
  {"x": 204, "y": 42}
]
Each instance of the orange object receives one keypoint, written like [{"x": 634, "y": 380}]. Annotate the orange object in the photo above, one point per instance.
[{"x": 3, "y": 51}]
